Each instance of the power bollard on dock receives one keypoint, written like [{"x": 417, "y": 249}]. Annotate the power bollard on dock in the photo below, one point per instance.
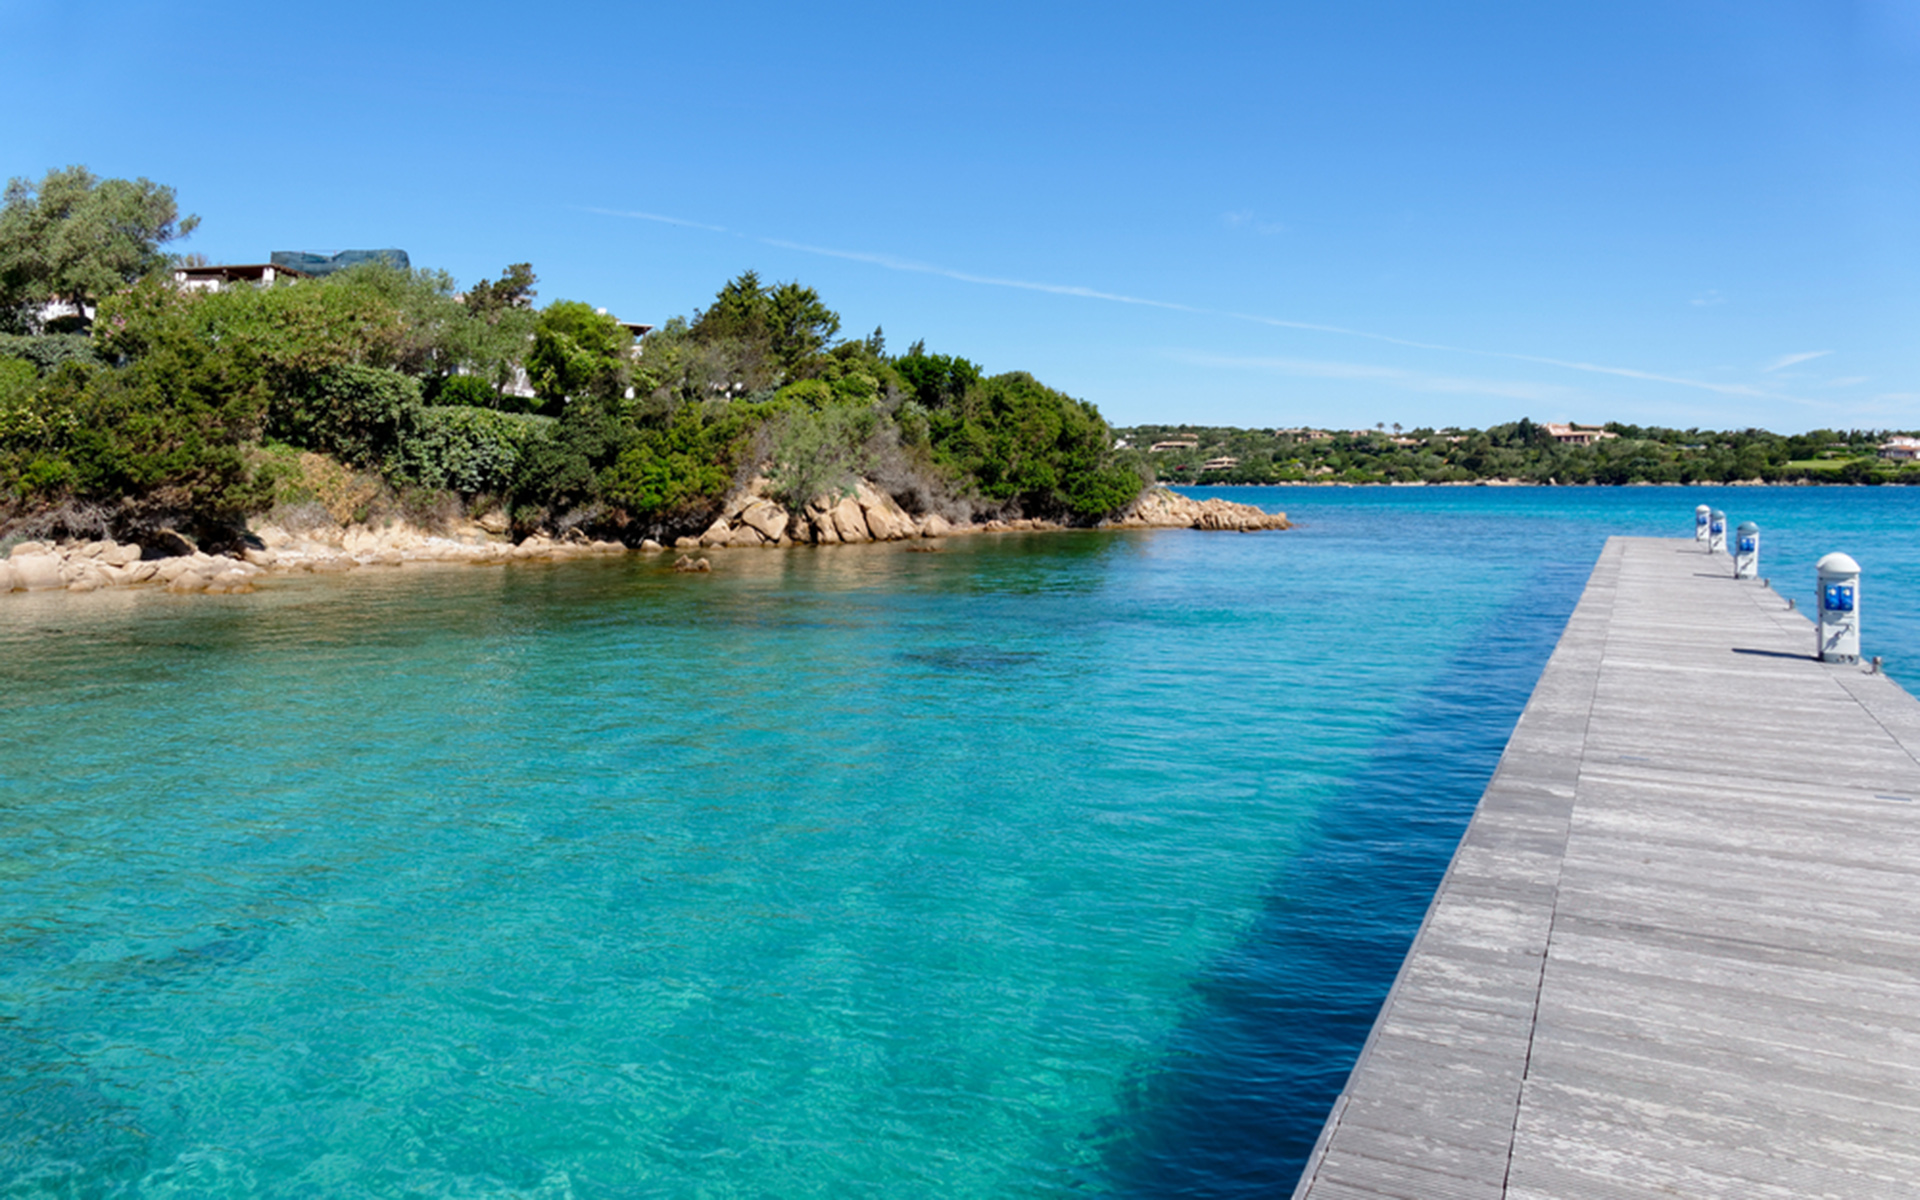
[
  {"x": 1716, "y": 532},
  {"x": 1746, "y": 551},
  {"x": 1839, "y": 627},
  {"x": 1701, "y": 515}
]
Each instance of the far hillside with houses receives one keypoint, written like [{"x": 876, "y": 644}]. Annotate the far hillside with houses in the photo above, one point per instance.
[{"x": 1524, "y": 451}]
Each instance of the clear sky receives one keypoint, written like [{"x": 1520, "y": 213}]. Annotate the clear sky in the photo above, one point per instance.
[{"x": 1682, "y": 212}]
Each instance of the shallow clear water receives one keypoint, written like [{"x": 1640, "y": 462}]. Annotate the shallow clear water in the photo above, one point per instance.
[{"x": 1042, "y": 865}]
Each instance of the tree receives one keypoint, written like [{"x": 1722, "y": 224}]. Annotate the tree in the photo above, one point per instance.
[
  {"x": 800, "y": 326},
  {"x": 76, "y": 237},
  {"x": 937, "y": 380},
  {"x": 577, "y": 352},
  {"x": 739, "y": 310},
  {"x": 427, "y": 338},
  {"x": 786, "y": 326},
  {"x": 513, "y": 290}
]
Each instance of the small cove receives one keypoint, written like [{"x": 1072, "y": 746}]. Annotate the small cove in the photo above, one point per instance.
[{"x": 1011, "y": 870}]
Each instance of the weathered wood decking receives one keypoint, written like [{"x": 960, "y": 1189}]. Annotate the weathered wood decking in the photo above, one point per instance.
[{"x": 1678, "y": 950}]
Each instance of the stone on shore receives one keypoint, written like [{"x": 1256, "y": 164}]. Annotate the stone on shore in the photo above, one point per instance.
[
  {"x": 886, "y": 520},
  {"x": 36, "y": 572},
  {"x": 766, "y": 518},
  {"x": 1160, "y": 508},
  {"x": 849, "y": 523},
  {"x": 83, "y": 575}
]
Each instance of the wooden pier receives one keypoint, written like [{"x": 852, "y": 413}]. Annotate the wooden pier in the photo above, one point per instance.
[{"x": 1677, "y": 953}]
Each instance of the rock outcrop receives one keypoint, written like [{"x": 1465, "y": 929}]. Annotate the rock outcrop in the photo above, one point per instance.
[
  {"x": 173, "y": 563},
  {"x": 751, "y": 518},
  {"x": 1160, "y": 508}
]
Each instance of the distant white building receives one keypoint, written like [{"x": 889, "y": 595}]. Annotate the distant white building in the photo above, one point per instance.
[
  {"x": 1900, "y": 449},
  {"x": 220, "y": 278},
  {"x": 1577, "y": 435}
]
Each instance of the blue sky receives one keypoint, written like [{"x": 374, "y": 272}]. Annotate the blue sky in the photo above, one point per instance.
[{"x": 1682, "y": 212}]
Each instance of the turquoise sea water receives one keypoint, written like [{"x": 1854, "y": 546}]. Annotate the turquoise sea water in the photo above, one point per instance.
[{"x": 1069, "y": 864}]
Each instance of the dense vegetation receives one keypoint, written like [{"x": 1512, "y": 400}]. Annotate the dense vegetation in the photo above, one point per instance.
[
  {"x": 128, "y": 403},
  {"x": 1523, "y": 451},
  {"x": 178, "y": 407}
]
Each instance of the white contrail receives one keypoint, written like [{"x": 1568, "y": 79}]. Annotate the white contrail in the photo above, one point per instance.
[
  {"x": 891, "y": 263},
  {"x": 644, "y": 216},
  {"x": 902, "y": 264}
]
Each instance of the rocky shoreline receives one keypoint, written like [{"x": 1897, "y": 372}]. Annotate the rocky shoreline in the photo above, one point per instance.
[{"x": 169, "y": 561}]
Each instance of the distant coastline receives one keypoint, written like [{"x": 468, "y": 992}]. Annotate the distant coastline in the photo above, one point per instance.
[
  {"x": 1527, "y": 483},
  {"x": 1523, "y": 452}
]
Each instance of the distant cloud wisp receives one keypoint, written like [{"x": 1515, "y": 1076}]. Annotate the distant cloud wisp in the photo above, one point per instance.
[
  {"x": 1246, "y": 219},
  {"x": 1788, "y": 360}
]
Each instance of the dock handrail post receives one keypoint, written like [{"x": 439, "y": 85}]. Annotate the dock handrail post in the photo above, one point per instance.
[
  {"x": 1701, "y": 514},
  {"x": 1716, "y": 532}
]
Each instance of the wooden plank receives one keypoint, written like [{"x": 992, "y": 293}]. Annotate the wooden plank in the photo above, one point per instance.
[{"x": 1678, "y": 949}]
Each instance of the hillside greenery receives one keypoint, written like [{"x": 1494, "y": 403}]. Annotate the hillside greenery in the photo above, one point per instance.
[
  {"x": 184, "y": 408},
  {"x": 1522, "y": 451}
]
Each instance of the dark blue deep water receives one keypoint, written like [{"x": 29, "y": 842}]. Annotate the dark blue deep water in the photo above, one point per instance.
[{"x": 1070, "y": 864}]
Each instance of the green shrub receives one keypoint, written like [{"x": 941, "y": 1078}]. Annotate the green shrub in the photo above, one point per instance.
[
  {"x": 1027, "y": 445},
  {"x": 351, "y": 412},
  {"x": 806, "y": 394},
  {"x": 17, "y": 378},
  {"x": 468, "y": 390},
  {"x": 469, "y": 450},
  {"x": 47, "y": 351},
  {"x": 151, "y": 439},
  {"x": 819, "y": 453},
  {"x": 679, "y": 471}
]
